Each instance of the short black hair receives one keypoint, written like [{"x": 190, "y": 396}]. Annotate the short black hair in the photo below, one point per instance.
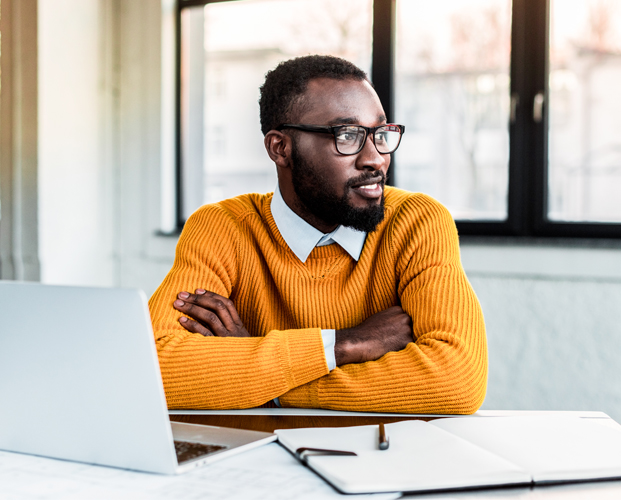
[{"x": 288, "y": 81}]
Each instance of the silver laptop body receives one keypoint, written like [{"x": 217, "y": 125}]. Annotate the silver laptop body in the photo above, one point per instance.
[{"x": 80, "y": 380}]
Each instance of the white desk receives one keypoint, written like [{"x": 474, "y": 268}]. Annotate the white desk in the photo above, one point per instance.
[
  {"x": 329, "y": 413},
  {"x": 268, "y": 472}
]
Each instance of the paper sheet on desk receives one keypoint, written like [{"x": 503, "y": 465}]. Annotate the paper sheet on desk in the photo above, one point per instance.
[{"x": 268, "y": 472}]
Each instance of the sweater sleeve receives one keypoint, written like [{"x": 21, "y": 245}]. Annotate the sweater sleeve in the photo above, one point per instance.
[
  {"x": 445, "y": 369},
  {"x": 223, "y": 372}
]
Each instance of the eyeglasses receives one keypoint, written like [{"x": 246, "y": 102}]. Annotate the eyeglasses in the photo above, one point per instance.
[{"x": 350, "y": 139}]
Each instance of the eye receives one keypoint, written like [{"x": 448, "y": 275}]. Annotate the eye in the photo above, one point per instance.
[
  {"x": 381, "y": 136},
  {"x": 348, "y": 134}
]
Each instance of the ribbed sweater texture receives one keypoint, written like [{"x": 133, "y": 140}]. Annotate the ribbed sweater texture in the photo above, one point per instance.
[{"x": 233, "y": 248}]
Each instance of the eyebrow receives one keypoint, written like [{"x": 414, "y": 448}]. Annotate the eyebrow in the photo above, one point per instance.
[{"x": 349, "y": 120}]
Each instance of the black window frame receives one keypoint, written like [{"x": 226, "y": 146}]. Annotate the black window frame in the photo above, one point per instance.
[{"x": 528, "y": 176}]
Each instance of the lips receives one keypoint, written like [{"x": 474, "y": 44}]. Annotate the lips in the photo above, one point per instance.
[
  {"x": 369, "y": 188},
  {"x": 367, "y": 181},
  {"x": 370, "y": 182}
]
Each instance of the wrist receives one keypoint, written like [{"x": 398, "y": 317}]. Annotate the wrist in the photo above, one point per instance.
[{"x": 344, "y": 350}]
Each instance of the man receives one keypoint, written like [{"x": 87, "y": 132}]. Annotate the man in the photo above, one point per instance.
[{"x": 334, "y": 292}]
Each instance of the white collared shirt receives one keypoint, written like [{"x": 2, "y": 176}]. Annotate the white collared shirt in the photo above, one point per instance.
[{"x": 301, "y": 238}]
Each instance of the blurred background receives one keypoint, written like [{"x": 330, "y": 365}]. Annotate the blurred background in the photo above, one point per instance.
[{"x": 119, "y": 119}]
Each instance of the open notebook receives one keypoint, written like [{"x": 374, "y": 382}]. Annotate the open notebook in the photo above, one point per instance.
[{"x": 456, "y": 453}]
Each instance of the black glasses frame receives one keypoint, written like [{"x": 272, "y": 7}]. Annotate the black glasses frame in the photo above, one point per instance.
[{"x": 327, "y": 129}]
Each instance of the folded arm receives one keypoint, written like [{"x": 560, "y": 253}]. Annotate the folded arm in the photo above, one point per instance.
[
  {"x": 445, "y": 369},
  {"x": 217, "y": 372},
  {"x": 210, "y": 314}
]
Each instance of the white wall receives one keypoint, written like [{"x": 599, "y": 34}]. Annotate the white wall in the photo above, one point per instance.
[
  {"x": 76, "y": 199},
  {"x": 553, "y": 317},
  {"x": 101, "y": 143},
  {"x": 552, "y": 311}
]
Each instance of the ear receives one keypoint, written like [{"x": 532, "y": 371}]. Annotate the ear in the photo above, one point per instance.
[{"x": 278, "y": 147}]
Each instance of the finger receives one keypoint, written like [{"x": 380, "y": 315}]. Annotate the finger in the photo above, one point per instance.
[
  {"x": 194, "y": 326},
  {"x": 230, "y": 306},
  {"x": 222, "y": 306},
  {"x": 207, "y": 317}
]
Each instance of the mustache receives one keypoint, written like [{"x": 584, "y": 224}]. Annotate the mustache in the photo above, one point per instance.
[{"x": 365, "y": 177}]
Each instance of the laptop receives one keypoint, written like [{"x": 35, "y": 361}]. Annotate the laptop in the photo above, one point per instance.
[{"x": 80, "y": 380}]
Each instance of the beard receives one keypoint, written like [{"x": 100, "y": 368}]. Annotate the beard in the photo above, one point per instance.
[{"x": 318, "y": 198}]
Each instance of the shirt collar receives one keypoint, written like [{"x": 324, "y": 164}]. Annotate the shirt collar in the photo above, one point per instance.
[{"x": 301, "y": 237}]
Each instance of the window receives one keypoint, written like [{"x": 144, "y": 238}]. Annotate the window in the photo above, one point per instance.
[
  {"x": 226, "y": 49},
  {"x": 512, "y": 115},
  {"x": 452, "y": 89},
  {"x": 584, "y": 148}
]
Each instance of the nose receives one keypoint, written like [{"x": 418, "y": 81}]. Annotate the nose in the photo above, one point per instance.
[{"x": 370, "y": 159}]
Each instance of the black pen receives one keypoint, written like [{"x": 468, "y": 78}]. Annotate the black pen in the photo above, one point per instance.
[{"x": 383, "y": 438}]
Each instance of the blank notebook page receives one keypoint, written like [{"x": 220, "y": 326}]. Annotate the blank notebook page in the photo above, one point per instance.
[
  {"x": 551, "y": 448},
  {"x": 420, "y": 457}
]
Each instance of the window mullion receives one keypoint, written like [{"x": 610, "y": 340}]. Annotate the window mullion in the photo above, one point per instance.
[
  {"x": 537, "y": 61},
  {"x": 527, "y": 137},
  {"x": 383, "y": 57}
]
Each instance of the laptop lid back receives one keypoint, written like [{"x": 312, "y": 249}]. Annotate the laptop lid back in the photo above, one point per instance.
[{"x": 80, "y": 379}]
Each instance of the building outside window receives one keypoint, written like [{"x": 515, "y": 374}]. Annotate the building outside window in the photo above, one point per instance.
[{"x": 511, "y": 107}]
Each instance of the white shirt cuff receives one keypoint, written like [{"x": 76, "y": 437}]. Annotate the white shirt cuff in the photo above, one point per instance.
[{"x": 329, "y": 341}]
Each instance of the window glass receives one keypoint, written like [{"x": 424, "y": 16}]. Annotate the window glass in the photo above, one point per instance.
[
  {"x": 227, "y": 48},
  {"x": 452, "y": 93},
  {"x": 584, "y": 146}
]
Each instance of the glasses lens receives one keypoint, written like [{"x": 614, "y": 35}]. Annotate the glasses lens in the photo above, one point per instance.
[
  {"x": 387, "y": 138},
  {"x": 349, "y": 139}
]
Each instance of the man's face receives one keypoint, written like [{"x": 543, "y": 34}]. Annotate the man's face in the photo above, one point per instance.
[{"x": 334, "y": 188}]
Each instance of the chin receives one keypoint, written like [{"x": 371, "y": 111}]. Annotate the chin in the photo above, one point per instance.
[{"x": 364, "y": 218}]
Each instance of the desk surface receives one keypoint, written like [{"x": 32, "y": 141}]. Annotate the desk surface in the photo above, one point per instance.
[
  {"x": 266, "y": 472},
  {"x": 269, "y": 419}
]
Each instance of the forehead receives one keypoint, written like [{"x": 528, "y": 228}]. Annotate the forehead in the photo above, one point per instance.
[{"x": 328, "y": 101}]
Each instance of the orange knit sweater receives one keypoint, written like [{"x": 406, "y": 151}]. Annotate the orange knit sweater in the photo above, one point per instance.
[{"x": 233, "y": 248}]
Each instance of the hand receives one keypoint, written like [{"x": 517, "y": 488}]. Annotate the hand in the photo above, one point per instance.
[
  {"x": 385, "y": 331},
  {"x": 209, "y": 314}
]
